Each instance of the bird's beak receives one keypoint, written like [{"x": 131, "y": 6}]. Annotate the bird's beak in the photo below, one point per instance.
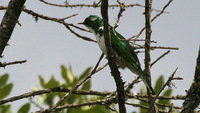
[{"x": 81, "y": 23}]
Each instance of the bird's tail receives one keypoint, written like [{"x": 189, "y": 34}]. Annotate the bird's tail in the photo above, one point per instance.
[{"x": 147, "y": 82}]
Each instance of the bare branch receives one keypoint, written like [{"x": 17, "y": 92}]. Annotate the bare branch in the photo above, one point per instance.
[
  {"x": 98, "y": 102},
  {"x": 193, "y": 94},
  {"x": 166, "y": 84},
  {"x": 130, "y": 85},
  {"x": 82, "y": 37},
  {"x": 178, "y": 97},
  {"x": 77, "y": 85},
  {"x": 141, "y": 31},
  {"x": 50, "y": 90},
  {"x": 144, "y": 107},
  {"x": 157, "y": 47},
  {"x": 159, "y": 58},
  {"x": 9, "y": 21},
  {"x": 111, "y": 60},
  {"x": 96, "y": 5},
  {"x": 12, "y": 63},
  {"x": 58, "y": 20}
]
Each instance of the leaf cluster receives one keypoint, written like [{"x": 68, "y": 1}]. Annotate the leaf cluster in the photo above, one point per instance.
[
  {"x": 5, "y": 90},
  {"x": 168, "y": 92},
  {"x": 70, "y": 80}
]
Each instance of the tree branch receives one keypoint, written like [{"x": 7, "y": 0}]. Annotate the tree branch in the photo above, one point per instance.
[
  {"x": 51, "y": 90},
  {"x": 159, "y": 58},
  {"x": 11, "y": 63},
  {"x": 147, "y": 71},
  {"x": 147, "y": 60},
  {"x": 161, "y": 12},
  {"x": 9, "y": 21},
  {"x": 193, "y": 94},
  {"x": 75, "y": 87},
  {"x": 111, "y": 59},
  {"x": 157, "y": 95}
]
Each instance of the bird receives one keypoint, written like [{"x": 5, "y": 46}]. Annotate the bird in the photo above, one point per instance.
[{"x": 124, "y": 53}]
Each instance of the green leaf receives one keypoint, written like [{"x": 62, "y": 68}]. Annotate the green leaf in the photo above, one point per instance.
[
  {"x": 168, "y": 92},
  {"x": 47, "y": 99},
  {"x": 175, "y": 111},
  {"x": 69, "y": 76},
  {"x": 42, "y": 98},
  {"x": 85, "y": 73},
  {"x": 159, "y": 83},
  {"x": 52, "y": 83},
  {"x": 35, "y": 88},
  {"x": 82, "y": 99},
  {"x": 5, "y": 90},
  {"x": 64, "y": 73},
  {"x": 72, "y": 77},
  {"x": 5, "y": 109},
  {"x": 3, "y": 79},
  {"x": 72, "y": 98},
  {"x": 25, "y": 108},
  {"x": 143, "y": 91},
  {"x": 42, "y": 82},
  {"x": 86, "y": 85}
]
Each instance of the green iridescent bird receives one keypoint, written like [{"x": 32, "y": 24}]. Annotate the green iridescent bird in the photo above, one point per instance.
[{"x": 123, "y": 51}]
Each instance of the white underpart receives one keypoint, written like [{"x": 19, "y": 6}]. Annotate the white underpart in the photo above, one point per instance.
[{"x": 100, "y": 40}]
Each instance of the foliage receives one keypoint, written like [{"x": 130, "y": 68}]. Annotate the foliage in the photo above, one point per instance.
[
  {"x": 159, "y": 84},
  {"x": 70, "y": 80},
  {"x": 5, "y": 89}
]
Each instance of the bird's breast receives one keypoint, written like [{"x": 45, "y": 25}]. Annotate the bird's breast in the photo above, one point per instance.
[{"x": 101, "y": 43}]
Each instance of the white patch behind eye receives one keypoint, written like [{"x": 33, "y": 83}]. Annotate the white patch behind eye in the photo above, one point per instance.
[{"x": 93, "y": 19}]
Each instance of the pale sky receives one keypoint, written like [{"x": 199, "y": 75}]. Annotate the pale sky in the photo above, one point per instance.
[{"x": 46, "y": 45}]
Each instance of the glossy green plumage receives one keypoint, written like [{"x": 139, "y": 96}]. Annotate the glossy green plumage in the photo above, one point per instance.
[{"x": 124, "y": 52}]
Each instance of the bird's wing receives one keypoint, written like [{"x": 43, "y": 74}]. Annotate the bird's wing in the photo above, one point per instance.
[{"x": 125, "y": 50}]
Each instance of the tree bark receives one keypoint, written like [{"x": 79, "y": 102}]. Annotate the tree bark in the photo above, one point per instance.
[
  {"x": 147, "y": 70},
  {"x": 111, "y": 59},
  {"x": 192, "y": 99},
  {"x": 9, "y": 21}
]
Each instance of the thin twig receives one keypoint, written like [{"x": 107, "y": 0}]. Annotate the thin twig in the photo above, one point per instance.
[
  {"x": 98, "y": 102},
  {"x": 159, "y": 58},
  {"x": 141, "y": 31},
  {"x": 130, "y": 85},
  {"x": 144, "y": 107},
  {"x": 35, "y": 104},
  {"x": 158, "y": 104},
  {"x": 12, "y": 63},
  {"x": 157, "y": 47},
  {"x": 166, "y": 84},
  {"x": 50, "y": 90},
  {"x": 177, "y": 97},
  {"x": 77, "y": 85},
  {"x": 96, "y": 5},
  {"x": 122, "y": 9},
  {"x": 111, "y": 108},
  {"x": 58, "y": 20},
  {"x": 82, "y": 37}
]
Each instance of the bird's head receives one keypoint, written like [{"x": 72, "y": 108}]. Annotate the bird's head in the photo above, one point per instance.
[{"x": 93, "y": 22}]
